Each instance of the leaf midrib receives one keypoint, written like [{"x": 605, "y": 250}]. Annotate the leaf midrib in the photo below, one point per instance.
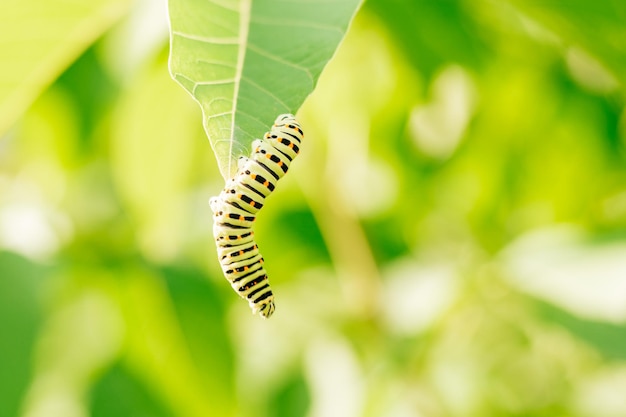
[{"x": 245, "y": 8}]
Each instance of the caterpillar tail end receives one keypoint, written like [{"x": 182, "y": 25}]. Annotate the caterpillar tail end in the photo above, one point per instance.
[{"x": 267, "y": 309}]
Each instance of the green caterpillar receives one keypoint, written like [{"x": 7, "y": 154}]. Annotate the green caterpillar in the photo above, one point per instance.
[{"x": 235, "y": 208}]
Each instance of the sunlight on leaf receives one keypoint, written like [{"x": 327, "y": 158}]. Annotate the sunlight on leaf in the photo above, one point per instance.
[{"x": 247, "y": 61}]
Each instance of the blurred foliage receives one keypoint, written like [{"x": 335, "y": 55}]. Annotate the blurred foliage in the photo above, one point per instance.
[
  {"x": 451, "y": 241},
  {"x": 20, "y": 320},
  {"x": 608, "y": 338},
  {"x": 41, "y": 38}
]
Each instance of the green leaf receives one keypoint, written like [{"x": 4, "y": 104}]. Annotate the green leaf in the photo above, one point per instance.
[
  {"x": 39, "y": 39},
  {"x": 247, "y": 61}
]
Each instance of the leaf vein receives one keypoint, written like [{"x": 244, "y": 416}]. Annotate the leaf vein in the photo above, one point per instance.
[
  {"x": 278, "y": 59},
  {"x": 214, "y": 40},
  {"x": 224, "y": 5},
  {"x": 216, "y": 62},
  {"x": 299, "y": 24},
  {"x": 245, "y": 7},
  {"x": 267, "y": 92},
  {"x": 213, "y": 116}
]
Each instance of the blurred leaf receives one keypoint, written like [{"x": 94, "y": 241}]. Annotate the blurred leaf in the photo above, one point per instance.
[
  {"x": 158, "y": 351},
  {"x": 20, "y": 321},
  {"x": 39, "y": 38},
  {"x": 201, "y": 313},
  {"x": 598, "y": 26},
  {"x": 386, "y": 246},
  {"x": 152, "y": 154},
  {"x": 94, "y": 102},
  {"x": 292, "y": 399},
  {"x": 608, "y": 338},
  {"x": 296, "y": 226},
  {"x": 247, "y": 61},
  {"x": 119, "y": 393},
  {"x": 432, "y": 33}
]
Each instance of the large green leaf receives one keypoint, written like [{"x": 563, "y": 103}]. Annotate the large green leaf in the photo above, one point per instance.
[
  {"x": 247, "y": 61},
  {"x": 39, "y": 39}
]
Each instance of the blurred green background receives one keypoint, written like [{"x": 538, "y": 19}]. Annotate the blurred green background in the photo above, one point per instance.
[{"x": 451, "y": 241}]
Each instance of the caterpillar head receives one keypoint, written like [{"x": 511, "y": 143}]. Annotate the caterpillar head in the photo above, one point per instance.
[
  {"x": 284, "y": 118},
  {"x": 215, "y": 204}
]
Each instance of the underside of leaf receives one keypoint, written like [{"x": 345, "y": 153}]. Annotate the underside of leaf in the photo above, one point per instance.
[{"x": 246, "y": 61}]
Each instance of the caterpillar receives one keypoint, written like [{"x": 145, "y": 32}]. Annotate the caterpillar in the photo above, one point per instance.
[{"x": 236, "y": 206}]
